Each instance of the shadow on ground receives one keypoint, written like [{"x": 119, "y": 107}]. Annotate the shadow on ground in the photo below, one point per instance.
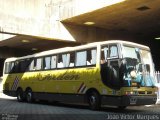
[{"x": 128, "y": 110}]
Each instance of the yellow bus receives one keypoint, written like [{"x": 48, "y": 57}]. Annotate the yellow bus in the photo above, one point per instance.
[{"x": 115, "y": 73}]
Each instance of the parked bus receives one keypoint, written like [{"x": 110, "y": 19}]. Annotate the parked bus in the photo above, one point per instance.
[{"x": 115, "y": 73}]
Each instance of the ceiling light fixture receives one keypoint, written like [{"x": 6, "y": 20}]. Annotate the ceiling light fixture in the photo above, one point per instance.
[
  {"x": 143, "y": 8},
  {"x": 34, "y": 49},
  {"x": 25, "y": 41},
  {"x": 89, "y": 23},
  {"x": 158, "y": 38}
]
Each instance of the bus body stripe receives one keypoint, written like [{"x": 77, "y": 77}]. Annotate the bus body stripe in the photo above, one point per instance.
[
  {"x": 80, "y": 87},
  {"x": 83, "y": 89},
  {"x": 17, "y": 81},
  {"x": 15, "y": 84}
]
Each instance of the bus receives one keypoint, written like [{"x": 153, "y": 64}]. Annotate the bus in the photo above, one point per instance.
[{"x": 115, "y": 73}]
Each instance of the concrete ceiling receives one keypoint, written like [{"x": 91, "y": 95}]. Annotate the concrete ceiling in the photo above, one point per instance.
[
  {"x": 134, "y": 18},
  {"x": 34, "y": 44},
  {"x": 138, "y": 18}
]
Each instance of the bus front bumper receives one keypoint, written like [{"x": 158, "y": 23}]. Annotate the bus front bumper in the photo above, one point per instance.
[{"x": 128, "y": 100}]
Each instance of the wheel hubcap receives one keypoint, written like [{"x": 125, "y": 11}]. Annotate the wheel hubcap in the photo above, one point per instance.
[
  {"x": 19, "y": 97},
  {"x": 29, "y": 95},
  {"x": 92, "y": 100}
]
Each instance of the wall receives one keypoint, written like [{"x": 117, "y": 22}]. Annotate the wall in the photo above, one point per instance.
[{"x": 42, "y": 17}]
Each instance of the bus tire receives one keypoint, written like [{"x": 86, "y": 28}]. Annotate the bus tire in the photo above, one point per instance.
[
  {"x": 20, "y": 96},
  {"x": 29, "y": 96},
  {"x": 94, "y": 100}
]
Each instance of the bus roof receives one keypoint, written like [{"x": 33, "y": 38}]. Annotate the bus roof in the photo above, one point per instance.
[{"x": 69, "y": 49}]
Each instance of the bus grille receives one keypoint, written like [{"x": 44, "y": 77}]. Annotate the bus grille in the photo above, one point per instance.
[
  {"x": 149, "y": 92},
  {"x": 144, "y": 92}
]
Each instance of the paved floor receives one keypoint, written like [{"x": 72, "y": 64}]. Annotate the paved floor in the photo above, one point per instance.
[
  {"x": 10, "y": 109},
  {"x": 44, "y": 110},
  {"x": 1, "y": 94}
]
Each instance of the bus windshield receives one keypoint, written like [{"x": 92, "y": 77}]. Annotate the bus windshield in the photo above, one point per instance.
[{"x": 138, "y": 68}]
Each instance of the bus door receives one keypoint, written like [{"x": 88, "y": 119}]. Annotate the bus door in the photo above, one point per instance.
[{"x": 113, "y": 64}]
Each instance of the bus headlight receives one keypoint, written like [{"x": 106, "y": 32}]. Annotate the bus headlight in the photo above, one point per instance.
[
  {"x": 129, "y": 93},
  {"x": 156, "y": 92}
]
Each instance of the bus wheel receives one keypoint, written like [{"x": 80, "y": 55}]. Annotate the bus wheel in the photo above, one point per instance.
[
  {"x": 94, "y": 100},
  {"x": 20, "y": 96},
  {"x": 29, "y": 96}
]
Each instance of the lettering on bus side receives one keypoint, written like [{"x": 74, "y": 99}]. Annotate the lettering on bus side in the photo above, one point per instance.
[{"x": 64, "y": 76}]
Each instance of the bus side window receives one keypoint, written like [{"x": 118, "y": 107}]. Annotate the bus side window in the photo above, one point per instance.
[
  {"x": 81, "y": 58},
  {"x": 66, "y": 59},
  {"x": 72, "y": 59},
  {"x": 12, "y": 66},
  {"x": 53, "y": 62},
  {"x": 8, "y": 67},
  {"x": 27, "y": 63},
  {"x": 24, "y": 65},
  {"x": 113, "y": 51},
  {"x": 38, "y": 64},
  {"x": 94, "y": 56},
  {"x": 60, "y": 62},
  {"x": 15, "y": 67},
  {"x": 104, "y": 54},
  {"x": 32, "y": 66},
  {"x": 47, "y": 63},
  {"x": 91, "y": 57}
]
